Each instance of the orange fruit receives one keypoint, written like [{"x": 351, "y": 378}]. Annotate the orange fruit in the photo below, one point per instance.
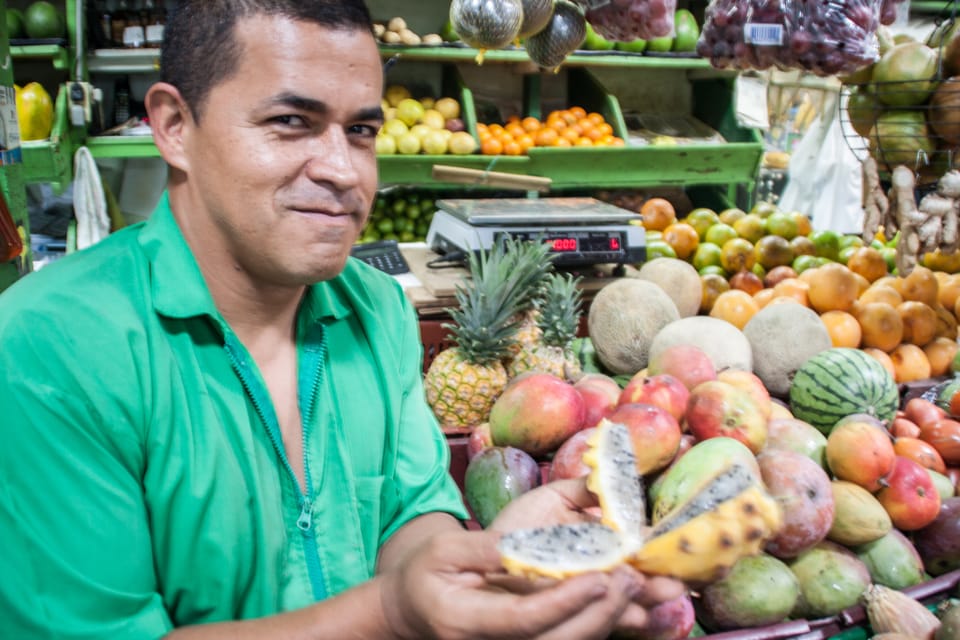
[
  {"x": 881, "y": 293},
  {"x": 515, "y": 129},
  {"x": 910, "y": 363},
  {"x": 843, "y": 328},
  {"x": 832, "y": 287},
  {"x": 512, "y": 148},
  {"x": 583, "y": 141},
  {"x": 868, "y": 262},
  {"x": 557, "y": 124},
  {"x": 793, "y": 288},
  {"x": 949, "y": 289},
  {"x": 883, "y": 358},
  {"x": 546, "y": 137},
  {"x": 804, "y": 226},
  {"x": 495, "y": 129},
  {"x": 616, "y": 142},
  {"x": 570, "y": 134},
  {"x": 491, "y": 147},
  {"x": 946, "y": 322},
  {"x": 682, "y": 238},
  {"x": 737, "y": 255},
  {"x": 919, "y": 322},
  {"x": 568, "y": 116},
  {"x": 764, "y": 297},
  {"x": 525, "y": 141},
  {"x": 530, "y": 124},
  {"x": 881, "y": 325},
  {"x": 658, "y": 214},
  {"x": 735, "y": 306},
  {"x": 578, "y": 112},
  {"x": 940, "y": 352},
  {"x": 595, "y": 118},
  {"x": 562, "y": 142},
  {"x": 713, "y": 285},
  {"x": 921, "y": 285}
]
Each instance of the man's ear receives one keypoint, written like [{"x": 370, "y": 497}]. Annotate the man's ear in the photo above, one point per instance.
[{"x": 170, "y": 117}]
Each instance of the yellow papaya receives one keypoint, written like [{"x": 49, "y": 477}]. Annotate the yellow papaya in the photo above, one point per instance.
[{"x": 34, "y": 111}]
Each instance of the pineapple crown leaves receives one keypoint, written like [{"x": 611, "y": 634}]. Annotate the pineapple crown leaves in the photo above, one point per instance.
[
  {"x": 560, "y": 310},
  {"x": 486, "y": 318}
]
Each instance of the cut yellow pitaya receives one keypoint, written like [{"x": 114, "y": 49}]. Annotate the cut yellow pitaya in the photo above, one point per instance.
[{"x": 614, "y": 479}]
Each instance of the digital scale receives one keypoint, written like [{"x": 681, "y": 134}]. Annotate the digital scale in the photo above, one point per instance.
[{"x": 581, "y": 231}]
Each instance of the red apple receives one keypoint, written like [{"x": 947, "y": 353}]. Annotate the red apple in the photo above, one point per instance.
[
  {"x": 690, "y": 364},
  {"x": 752, "y": 384},
  {"x": 663, "y": 390},
  {"x": 802, "y": 488},
  {"x": 536, "y": 413},
  {"x": 859, "y": 450},
  {"x": 909, "y": 495},
  {"x": 655, "y": 434},
  {"x": 600, "y": 394},
  {"x": 720, "y": 409},
  {"x": 568, "y": 460},
  {"x": 479, "y": 439}
]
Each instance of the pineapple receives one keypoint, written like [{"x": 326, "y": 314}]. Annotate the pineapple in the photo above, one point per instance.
[
  {"x": 537, "y": 258},
  {"x": 558, "y": 317},
  {"x": 463, "y": 382}
]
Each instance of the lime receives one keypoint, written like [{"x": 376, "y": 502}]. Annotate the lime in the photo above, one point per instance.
[
  {"x": 803, "y": 246},
  {"x": 764, "y": 209},
  {"x": 848, "y": 240},
  {"x": 826, "y": 243},
  {"x": 706, "y": 254},
  {"x": 659, "y": 249},
  {"x": 758, "y": 270},
  {"x": 15, "y": 24},
  {"x": 385, "y": 226},
  {"x": 729, "y": 216},
  {"x": 654, "y": 235},
  {"x": 782, "y": 224},
  {"x": 890, "y": 257},
  {"x": 803, "y": 262},
  {"x": 844, "y": 256},
  {"x": 737, "y": 255},
  {"x": 751, "y": 227},
  {"x": 877, "y": 244},
  {"x": 713, "y": 269},
  {"x": 719, "y": 233},
  {"x": 702, "y": 219},
  {"x": 42, "y": 20}
]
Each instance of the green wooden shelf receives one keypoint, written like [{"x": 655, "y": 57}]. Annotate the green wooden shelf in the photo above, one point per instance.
[
  {"x": 122, "y": 147},
  {"x": 45, "y": 161},
  {"x": 938, "y": 6},
  {"x": 579, "y": 59},
  {"x": 57, "y": 54}
]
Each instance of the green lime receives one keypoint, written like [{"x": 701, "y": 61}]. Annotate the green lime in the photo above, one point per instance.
[
  {"x": 659, "y": 249},
  {"x": 702, "y": 219},
  {"x": 890, "y": 257},
  {"x": 876, "y": 244},
  {"x": 719, "y": 233},
  {"x": 803, "y": 246},
  {"x": 42, "y": 20},
  {"x": 782, "y": 224},
  {"x": 729, "y": 216},
  {"x": 848, "y": 240},
  {"x": 803, "y": 262},
  {"x": 634, "y": 46},
  {"x": 706, "y": 254},
  {"x": 758, "y": 270},
  {"x": 385, "y": 226},
  {"x": 844, "y": 256},
  {"x": 751, "y": 227},
  {"x": 764, "y": 209},
  {"x": 826, "y": 243},
  {"x": 714, "y": 269},
  {"x": 654, "y": 235}
]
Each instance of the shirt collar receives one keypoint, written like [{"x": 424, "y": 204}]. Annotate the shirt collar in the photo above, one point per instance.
[{"x": 178, "y": 286}]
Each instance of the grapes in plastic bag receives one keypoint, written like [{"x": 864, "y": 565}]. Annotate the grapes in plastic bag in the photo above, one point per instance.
[
  {"x": 888, "y": 11},
  {"x": 628, "y": 20},
  {"x": 825, "y": 37}
]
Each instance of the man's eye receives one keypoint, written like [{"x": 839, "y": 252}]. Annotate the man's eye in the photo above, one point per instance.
[
  {"x": 289, "y": 120},
  {"x": 364, "y": 130}
]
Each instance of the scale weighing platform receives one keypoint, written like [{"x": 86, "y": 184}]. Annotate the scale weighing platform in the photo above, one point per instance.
[{"x": 581, "y": 231}]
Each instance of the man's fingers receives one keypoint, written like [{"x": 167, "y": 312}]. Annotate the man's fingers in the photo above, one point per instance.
[
  {"x": 598, "y": 619},
  {"x": 657, "y": 590}
]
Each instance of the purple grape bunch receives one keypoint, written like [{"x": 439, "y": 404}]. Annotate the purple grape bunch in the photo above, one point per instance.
[
  {"x": 825, "y": 37},
  {"x": 628, "y": 20}
]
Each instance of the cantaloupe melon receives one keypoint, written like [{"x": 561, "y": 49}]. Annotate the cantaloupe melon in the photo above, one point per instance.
[
  {"x": 723, "y": 342},
  {"x": 678, "y": 279},
  {"x": 783, "y": 337},
  {"x": 624, "y": 317}
]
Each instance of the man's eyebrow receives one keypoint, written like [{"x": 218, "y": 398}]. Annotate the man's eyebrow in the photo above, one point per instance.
[{"x": 311, "y": 105}]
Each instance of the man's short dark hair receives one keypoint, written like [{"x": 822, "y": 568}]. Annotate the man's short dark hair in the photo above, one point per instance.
[{"x": 200, "y": 48}]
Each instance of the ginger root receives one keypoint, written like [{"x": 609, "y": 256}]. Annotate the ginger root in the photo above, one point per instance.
[
  {"x": 874, "y": 200},
  {"x": 903, "y": 206}
]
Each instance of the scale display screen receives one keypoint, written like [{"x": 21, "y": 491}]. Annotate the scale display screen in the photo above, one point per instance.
[{"x": 605, "y": 243}]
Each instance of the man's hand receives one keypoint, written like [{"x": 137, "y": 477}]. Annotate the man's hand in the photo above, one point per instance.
[{"x": 445, "y": 590}]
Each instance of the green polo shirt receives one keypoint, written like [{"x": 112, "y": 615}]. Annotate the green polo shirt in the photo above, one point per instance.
[{"x": 142, "y": 481}]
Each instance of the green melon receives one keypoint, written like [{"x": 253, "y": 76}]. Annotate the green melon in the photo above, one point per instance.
[{"x": 839, "y": 382}]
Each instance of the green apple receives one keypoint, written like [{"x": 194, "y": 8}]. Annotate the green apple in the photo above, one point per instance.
[
  {"x": 595, "y": 42},
  {"x": 634, "y": 46},
  {"x": 660, "y": 45}
]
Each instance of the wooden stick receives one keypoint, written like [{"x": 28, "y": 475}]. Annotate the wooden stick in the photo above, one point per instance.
[{"x": 463, "y": 175}]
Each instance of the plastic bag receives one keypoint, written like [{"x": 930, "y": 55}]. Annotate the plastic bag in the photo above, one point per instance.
[
  {"x": 825, "y": 178},
  {"x": 825, "y": 37},
  {"x": 628, "y": 20}
]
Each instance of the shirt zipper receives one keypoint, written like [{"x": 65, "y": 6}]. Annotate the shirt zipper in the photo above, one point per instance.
[{"x": 311, "y": 365}]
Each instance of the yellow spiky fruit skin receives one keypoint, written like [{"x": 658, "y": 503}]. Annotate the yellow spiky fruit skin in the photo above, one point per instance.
[
  {"x": 703, "y": 549},
  {"x": 461, "y": 393}
]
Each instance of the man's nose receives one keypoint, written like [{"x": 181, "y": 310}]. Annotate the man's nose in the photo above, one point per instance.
[{"x": 332, "y": 159}]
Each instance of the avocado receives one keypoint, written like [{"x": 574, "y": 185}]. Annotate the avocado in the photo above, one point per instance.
[{"x": 686, "y": 31}]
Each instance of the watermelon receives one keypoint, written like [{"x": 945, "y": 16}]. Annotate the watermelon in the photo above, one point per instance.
[{"x": 839, "y": 382}]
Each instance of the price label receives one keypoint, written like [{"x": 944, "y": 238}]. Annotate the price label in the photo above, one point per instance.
[{"x": 763, "y": 34}]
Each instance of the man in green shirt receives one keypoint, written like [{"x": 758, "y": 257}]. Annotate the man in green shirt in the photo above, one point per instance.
[{"x": 213, "y": 423}]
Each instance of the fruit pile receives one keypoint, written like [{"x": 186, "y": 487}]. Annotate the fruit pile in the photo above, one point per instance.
[
  {"x": 907, "y": 105},
  {"x": 825, "y": 38},
  {"x": 426, "y": 125},
  {"x": 40, "y": 20},
  {"x": 400, "y": 214},
  {"x": 686, "y": 32},
  {"x": 749, "y": 261},
  {"x": 396, "y": 31},
  {"x": 572, "y": 127},
  {"x": 626, "y": 20}
]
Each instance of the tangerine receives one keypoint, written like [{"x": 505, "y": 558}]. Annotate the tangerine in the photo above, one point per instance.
[
  {"x": 657, "y": 214},
  {"x": 868, "y": 262},
  {"x": 881, "y": 293},
  {"x": 832, "y": 287},
  {"x": 843, "y": 328},
  {"x": 883, "y": 358},
  {"x": 940, "y": 352},
  {"x": 562, "y": 142},
  {"x": 910, "y": 363},
  {"x": 530, "y": 124},
  {"x": 919, "y": 322},
  {"x": 793, "y": 288},
  {"x": 491, "y": 146},
  {"x": 881, "y": 325},
  {"x": 546, "y": 137},
  {"x": 735, "y": 306},
  {"x": 702, "y": 219},
  {"x": 683, "y": 238},
  {"x": 713, "y": 286},
  {"x": 737, "y": 255},
  {"x": 921, "y": 285},
  {"x": 578, "y": 112}
]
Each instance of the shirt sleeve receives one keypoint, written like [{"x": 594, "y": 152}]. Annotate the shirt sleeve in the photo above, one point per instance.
[
  {"x": 422, "y": 476},
  {"x": 77, "y": 560}
]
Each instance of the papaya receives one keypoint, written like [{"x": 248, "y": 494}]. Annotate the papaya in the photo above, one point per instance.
[
  {"x": 34, "y": 111},
  {"x": 899, "y": 136},
  {"x": 859, "y": 517},
  {"x": 906, "y": 74}
]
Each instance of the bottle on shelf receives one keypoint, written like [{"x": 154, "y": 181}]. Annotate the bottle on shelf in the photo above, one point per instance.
[
  {"x": 155, "y": 20},
  {"x": 120, "y": 15},
  {"x": 100, "y": 19}
]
